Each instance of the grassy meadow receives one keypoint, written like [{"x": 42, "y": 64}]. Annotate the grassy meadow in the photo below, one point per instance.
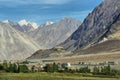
[{"x": 51, "y": 76}]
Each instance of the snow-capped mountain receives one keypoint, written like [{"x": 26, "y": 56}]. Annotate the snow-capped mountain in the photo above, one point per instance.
[
  {"x": 35, "y": 25},
  {"x": 6, "y": 21},
  {"x": 15, "y": 25},
  {"x": 48, "y": 23},
  {"x": 23, "y": 22},
  {"x": 19, "y": 40},
  {"x": 28, "y": 23},
  {"x": 22, "y": 25}
]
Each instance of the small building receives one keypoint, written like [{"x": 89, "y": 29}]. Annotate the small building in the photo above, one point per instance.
[
  {"x": 59, "y": 48},
  {"x": 112, "y": 63},
  {"x": 66, "y": 65},
  {"x": 102, "y": 63}
]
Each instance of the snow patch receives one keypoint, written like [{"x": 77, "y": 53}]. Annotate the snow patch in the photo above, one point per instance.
[
  {"x": 104, "y": 39},
  {"x": 23, "y": 22},
  {"x": 48, "y": 23},
  {"x": 26, "y": 23},
  {"x": 6, "y": 21}
]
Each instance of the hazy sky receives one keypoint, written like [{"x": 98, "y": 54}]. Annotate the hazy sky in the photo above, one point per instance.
[{"x": 45, "y": 10}]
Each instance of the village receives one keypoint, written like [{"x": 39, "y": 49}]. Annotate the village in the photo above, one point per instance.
[{"x": 40, "y": 64}]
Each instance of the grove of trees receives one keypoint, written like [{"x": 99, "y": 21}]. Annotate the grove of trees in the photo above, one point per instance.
[
  {"x": 97, "y": 70},
  {"x": 13, "y": 67}
]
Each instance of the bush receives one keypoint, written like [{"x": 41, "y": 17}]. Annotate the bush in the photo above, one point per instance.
[
  {"x": 23, "y": 68},
  {"x": 106, "y": 70},
  {"x": 84, "y": 70},
  {"x": 5, "y": 66},
  {"x": 1, "y": 67}
]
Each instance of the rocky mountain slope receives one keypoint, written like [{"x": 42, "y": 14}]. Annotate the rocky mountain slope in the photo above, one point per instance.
[
  {"x": 96, "y": 26},
  {"x": 104, "y": 47},
  {"x": 53, "y": 34},
  {"x": 48, "y": 53},
  {"x": 14, "y": 44}
]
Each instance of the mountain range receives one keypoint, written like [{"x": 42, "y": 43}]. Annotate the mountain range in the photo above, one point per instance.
[
  {"x": 19, "y": 40},
  {"x": 53, "y": 34},
  {"x": 22, "y": 25}
]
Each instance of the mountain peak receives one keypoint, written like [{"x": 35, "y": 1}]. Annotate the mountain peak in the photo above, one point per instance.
[
  {"x": 48, "y": 23},
  {"x": 23, "y": 22},
  {"x": 35, "y": 25},
  {"x": 26, "y": 23},
  {"x": 6, "y": 21},
  {"x": 68, "y": 18}
]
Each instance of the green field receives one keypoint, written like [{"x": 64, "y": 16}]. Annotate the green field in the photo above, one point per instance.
[{"x": 50, "y": 76}]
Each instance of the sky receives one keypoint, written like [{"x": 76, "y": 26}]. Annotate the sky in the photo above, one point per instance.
[{"x": 41, "y": 11}]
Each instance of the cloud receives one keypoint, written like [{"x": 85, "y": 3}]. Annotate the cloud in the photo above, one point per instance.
[
  {"x": 56, "y": 1},
  {"x": 27, "y": 2},
  {"x": 44, "y": 10}
]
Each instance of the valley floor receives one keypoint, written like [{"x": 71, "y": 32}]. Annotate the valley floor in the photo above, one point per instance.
[
  {"x": 91, "y": 60},
  {"x": 111, "y": 56},
  {"x": 51, "y": 76}
]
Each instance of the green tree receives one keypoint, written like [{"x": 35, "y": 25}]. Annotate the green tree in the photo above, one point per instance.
[
  {"x": 1, "y": 67},
  {"x": 66, "y": 69},
  {"x": 23, "y": 68},
  {"x": 5, "y": 66},
  {"x": 54, "y": 67},
  {"x": 114, "y": 72},
  {"x": 15, "y": 68},
  {"x": 106, "y": 70},
  {"x": 10, "y": 68},
  {"x": 84, "y": 70},
  {"x": 33, "y": 68},
  {"x": 18, "y": 69},
  {"x": 48, "y": 68},
  {"x": 96, "y": 70}
]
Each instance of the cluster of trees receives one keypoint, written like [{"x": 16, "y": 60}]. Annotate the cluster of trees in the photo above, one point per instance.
[
  {"x": 106, "y": 70},
  {"x": 51, "y": 67},
  {"x": 13, "y": 67},
  {"x": 17, "y": 68},
  {"x": 81, "y": 70},
  {"x": 57, "y": 68}
]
